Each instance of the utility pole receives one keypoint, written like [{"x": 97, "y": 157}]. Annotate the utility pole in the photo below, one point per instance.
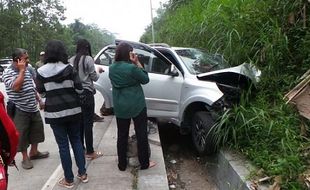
[{"x": 153, "y": 36}]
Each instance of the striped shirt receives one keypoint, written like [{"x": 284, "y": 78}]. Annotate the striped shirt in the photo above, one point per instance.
[
  {"x": 57, "y": 81},
  {"x": 25, "y": 98}
]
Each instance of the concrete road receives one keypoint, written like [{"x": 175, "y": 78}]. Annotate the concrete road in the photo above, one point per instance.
[{"x": 47, "y": 170}]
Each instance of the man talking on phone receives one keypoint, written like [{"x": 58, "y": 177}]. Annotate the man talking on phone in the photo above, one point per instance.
[{"x": 23, "y": 100}]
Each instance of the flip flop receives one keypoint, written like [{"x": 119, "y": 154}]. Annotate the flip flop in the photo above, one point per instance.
[
  {"x": 152, "y": 164},
  {"x": 94, "y": 155},
  {"x": 40, "y": 155},
  {"x": 97, "y": 118}
]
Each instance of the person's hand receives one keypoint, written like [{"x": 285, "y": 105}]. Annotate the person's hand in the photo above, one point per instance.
[
  {"x": 21, "y": 64},
  {"x": 41, "y": 104},
  {"x": 100, "y": 70},
  {"x": 134, "y": 59}
]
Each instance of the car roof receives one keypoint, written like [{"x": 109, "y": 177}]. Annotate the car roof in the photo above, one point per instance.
[
  {"x": 159, "y": 45},
  {"x": 143, "y": 46}
]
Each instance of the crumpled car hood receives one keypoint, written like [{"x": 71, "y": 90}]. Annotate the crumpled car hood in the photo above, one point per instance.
[{"x": 242, "y": 75}]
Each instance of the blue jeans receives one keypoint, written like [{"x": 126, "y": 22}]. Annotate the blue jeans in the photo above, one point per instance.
[
  {"x": 88, "y": 110},
  {"x": 64, "y": 133}
]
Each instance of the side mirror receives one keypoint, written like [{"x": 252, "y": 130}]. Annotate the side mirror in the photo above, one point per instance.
[
  {"x": 174, "y": 72},
  {"x": 97, "y": 61}
]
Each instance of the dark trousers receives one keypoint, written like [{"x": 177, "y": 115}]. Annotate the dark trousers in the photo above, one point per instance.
[
  {"x": 140, "y": 124},
  {"x": 87, "y": 123}
]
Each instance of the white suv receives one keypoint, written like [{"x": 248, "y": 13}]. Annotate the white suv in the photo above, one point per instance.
[
  {"x": 4, "y": 63},
  {"x": 187, "y": 87}
]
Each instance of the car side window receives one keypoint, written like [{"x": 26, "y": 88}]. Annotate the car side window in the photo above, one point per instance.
[
  {"x": 152, "y": 63},
  {"x": 144, "y": 58},
  {"x": 106, "y": 58},
  {"x": 159, "y": 66}
]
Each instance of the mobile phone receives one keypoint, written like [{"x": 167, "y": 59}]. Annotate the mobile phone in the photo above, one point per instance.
[{"x": 16, "y": 59}]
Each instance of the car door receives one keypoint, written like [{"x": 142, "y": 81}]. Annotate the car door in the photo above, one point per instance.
[
  {"x": 103, "y": 60},
  {"x": 163, "y": 92}
]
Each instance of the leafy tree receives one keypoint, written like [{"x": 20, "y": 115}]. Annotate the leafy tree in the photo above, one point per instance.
[
  {"x": 97, "y": 37},
  {"x": 31, "y": 23},
  {"x": 28, "y": 24}
]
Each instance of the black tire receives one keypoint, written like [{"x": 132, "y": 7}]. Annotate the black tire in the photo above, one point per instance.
[{"x": 202, "y": 138}]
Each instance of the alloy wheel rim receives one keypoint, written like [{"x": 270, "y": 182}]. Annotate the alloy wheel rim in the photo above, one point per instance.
[{"x": 200, "y": 134}]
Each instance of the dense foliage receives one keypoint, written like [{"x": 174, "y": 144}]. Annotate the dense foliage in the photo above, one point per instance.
[
  {"x": 29, "y": 24},
  {"x": 275, "y": 36}
]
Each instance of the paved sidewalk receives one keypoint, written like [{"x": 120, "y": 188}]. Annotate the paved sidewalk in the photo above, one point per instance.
[{"x": 104, "y": 174}]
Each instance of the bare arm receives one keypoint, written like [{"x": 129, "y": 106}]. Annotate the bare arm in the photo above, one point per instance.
[{"x": 18, "y": 83}]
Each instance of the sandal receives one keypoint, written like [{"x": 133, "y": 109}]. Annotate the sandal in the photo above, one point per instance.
[
  {"x": 63, "y": 183},
  {"x": 151, "y": 164},
  {"x": 94, "y": 155},
  {"x": 97, "y": 118},
  {"x": 39, "y": 155},
  {"x": 83, "y": 178}
]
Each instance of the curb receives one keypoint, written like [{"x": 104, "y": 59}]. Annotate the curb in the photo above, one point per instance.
[
  {"x": 154, "y": 178},
  {"x": 231, "y": 170}
]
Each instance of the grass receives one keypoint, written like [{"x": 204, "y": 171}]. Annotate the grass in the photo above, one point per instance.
[
  {"x": 271, "y": 34},
  {"x": 134, "y": 172},
  {"x": 269, "y": 135}
]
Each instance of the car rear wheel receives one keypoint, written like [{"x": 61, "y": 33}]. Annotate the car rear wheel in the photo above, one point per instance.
[{"x": 202, "y": 138}]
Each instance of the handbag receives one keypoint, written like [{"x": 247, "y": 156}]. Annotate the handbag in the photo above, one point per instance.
[
  {"x": 82, "y": 96},
  {"x": 82, "y": 99},
  {"x": 3, "y": 176}
]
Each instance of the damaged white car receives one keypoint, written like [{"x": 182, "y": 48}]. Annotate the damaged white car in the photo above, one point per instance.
[{"x": 187, "y": 87}]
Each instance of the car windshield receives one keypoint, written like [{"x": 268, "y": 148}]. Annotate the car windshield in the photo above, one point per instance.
[{"x": 198, "y": 61}]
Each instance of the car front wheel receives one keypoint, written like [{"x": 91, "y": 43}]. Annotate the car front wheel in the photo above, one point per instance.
[{"x": 202, "y": 136}]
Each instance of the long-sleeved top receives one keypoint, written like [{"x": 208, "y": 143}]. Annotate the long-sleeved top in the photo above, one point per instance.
[
  {"x": 128, "y": 96},
  {"x": 61, "y": 87},
  {"x": 87, "y": 71}
]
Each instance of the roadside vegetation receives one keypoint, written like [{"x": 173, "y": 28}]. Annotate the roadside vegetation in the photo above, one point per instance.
[
  {"x": 31, "y": 23},
  {"x": 273, "y": 35}
]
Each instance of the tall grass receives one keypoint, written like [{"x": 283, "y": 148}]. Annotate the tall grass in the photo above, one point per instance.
[
  {"x": 272, "y": 34},
  {"x": 268, "y": 134}
]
